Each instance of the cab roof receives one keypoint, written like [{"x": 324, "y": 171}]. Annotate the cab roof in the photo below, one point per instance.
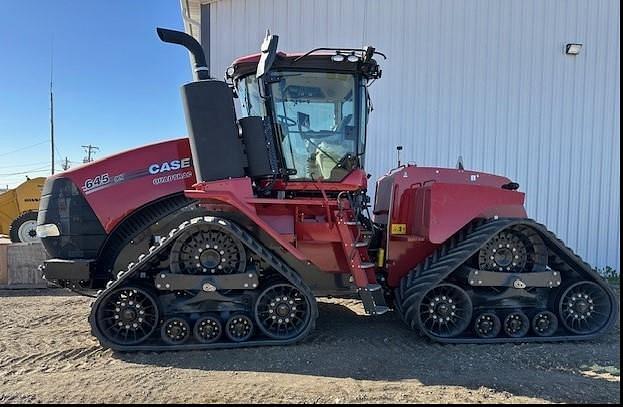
[{"x": 318, "y": 61}]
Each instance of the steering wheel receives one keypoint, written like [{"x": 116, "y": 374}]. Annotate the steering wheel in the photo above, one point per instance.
[{"x": 283, "y": 119}]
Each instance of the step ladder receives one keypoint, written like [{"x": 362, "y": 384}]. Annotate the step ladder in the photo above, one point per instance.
[{"x": 355, "y": 243}]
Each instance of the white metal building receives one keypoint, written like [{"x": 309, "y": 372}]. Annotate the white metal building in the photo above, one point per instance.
[{"x": 486, "y": 79}]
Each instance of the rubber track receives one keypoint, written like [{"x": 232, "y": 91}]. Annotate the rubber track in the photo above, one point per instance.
[
  {"x": 463, "y": 245},
  {"x": 251, "y": 243}
]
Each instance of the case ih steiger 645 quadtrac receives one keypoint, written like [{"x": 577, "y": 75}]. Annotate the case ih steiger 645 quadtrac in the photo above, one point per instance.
[{"x": 225, "y": 239}]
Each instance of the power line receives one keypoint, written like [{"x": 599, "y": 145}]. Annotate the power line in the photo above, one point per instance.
[
  {"x": 41, "y": 169},
  {"x": 25, "y": 148},
  {"x": 40, "y": 163}
]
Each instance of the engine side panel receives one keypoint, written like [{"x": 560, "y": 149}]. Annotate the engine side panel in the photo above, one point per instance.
[
  {"x": 444, "y": 208},
  {"x": 117, "y": 185}
]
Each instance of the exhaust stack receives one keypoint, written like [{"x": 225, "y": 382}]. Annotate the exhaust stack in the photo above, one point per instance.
[
  {"x": 201, "y": 70},
  {"x": 210, "y": 117}
]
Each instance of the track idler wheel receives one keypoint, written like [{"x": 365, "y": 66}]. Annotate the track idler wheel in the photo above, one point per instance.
[
  {"x": 282, "y": 312},
  {"x": 239, "y": 328},
  {"x": 127, "y": 316},
  {"x": 516, "y": 324},
  {"x": 584, "y": 308},
  {"x": 445, "y": 311},
  {"x": 487, "y": 325},
  {"x": 175, "y": 331},
  {"x": 544, "y": 323},
  {"x": 207, "y": 329}
]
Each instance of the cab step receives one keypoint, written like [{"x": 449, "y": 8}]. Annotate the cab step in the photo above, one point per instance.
[
  {"x": 367, "y": 265},
  {"x": 373, "y": 299}
]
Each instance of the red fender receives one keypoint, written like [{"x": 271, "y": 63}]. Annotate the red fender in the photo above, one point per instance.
[{"x": 453, "y": 206}]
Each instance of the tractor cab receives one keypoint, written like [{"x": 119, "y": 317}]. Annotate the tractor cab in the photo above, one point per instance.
[
  {"x": 302, "y": 118},
  {"x": 316, "y": 105}
]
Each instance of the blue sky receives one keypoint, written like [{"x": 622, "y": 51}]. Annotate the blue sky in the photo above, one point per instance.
[{"x": 115, "y": 84}]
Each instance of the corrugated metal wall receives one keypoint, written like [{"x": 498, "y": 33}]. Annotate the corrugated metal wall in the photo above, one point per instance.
[{"x": 484, "y": 79}]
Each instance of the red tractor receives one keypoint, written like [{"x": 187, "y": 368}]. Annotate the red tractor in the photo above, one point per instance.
[{"x": 225, "y": 239}]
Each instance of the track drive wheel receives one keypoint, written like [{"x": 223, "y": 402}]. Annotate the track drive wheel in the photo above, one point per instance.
[
  {"x": 207, "y": 249},
  {"x": 514, "y": 250}
]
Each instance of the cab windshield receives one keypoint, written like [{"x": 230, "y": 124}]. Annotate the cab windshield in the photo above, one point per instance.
[{"x": 320, "y": 123}]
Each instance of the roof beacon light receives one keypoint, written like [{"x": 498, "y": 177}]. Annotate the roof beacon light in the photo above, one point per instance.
[
  {"x": 353, "y": 58},
  {"x": 337, "y": 57}
]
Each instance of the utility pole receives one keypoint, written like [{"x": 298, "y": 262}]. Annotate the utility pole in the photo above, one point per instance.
[
  {"x": 52, "y": 106},
  {"x": 88, "y": 149},
  {"x": 66, "y": 164}
]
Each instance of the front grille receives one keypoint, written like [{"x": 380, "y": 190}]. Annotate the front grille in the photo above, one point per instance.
[{"x": 63, "y": 204}]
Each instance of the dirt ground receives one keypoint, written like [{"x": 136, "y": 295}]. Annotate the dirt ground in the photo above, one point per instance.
[{"x": 48, "y": 355}]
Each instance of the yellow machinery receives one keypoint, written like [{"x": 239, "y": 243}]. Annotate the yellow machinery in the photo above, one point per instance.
[{"x": 18, "y": 211}]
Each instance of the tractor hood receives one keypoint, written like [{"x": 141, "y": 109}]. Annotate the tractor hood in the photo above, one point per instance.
[
  {"x": 434, "y": 203},
  {"x": 412, "y": 174}
]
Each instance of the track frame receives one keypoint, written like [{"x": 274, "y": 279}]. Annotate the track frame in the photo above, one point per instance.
[
  {"x": 250, "y": 243},
  {"x": 466, "y": 243}
]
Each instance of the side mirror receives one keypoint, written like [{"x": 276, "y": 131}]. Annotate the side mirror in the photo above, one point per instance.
[{"x": 269, "y": 53}]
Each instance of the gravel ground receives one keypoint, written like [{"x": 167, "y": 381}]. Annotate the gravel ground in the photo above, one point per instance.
[{"x": 48, "y": 355}]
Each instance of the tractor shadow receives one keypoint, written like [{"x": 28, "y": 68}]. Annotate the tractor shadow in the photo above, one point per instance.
[
  {"x": 36, "y": 292},
  {"x": 346, "y": 344}
]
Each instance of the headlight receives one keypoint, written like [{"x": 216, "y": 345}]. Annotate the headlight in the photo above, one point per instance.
[{"x": 48, "y": 230}]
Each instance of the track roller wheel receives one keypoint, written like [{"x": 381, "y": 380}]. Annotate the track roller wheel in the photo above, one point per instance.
[
  {"x": 487, "y": 325},
  {"x": 544, "y": 323},
  {"x": 516, "y": 324},
  {"x": 127, "y": 316},
  {"x": 175, "y": 331},
  {"x": 584, "y": 308},
  {"x": 282, "y": 312},
  {"x": 445, "y": 311},
  {"x": 239, "y": 328},
  {"x": 207, "y": 329}
]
